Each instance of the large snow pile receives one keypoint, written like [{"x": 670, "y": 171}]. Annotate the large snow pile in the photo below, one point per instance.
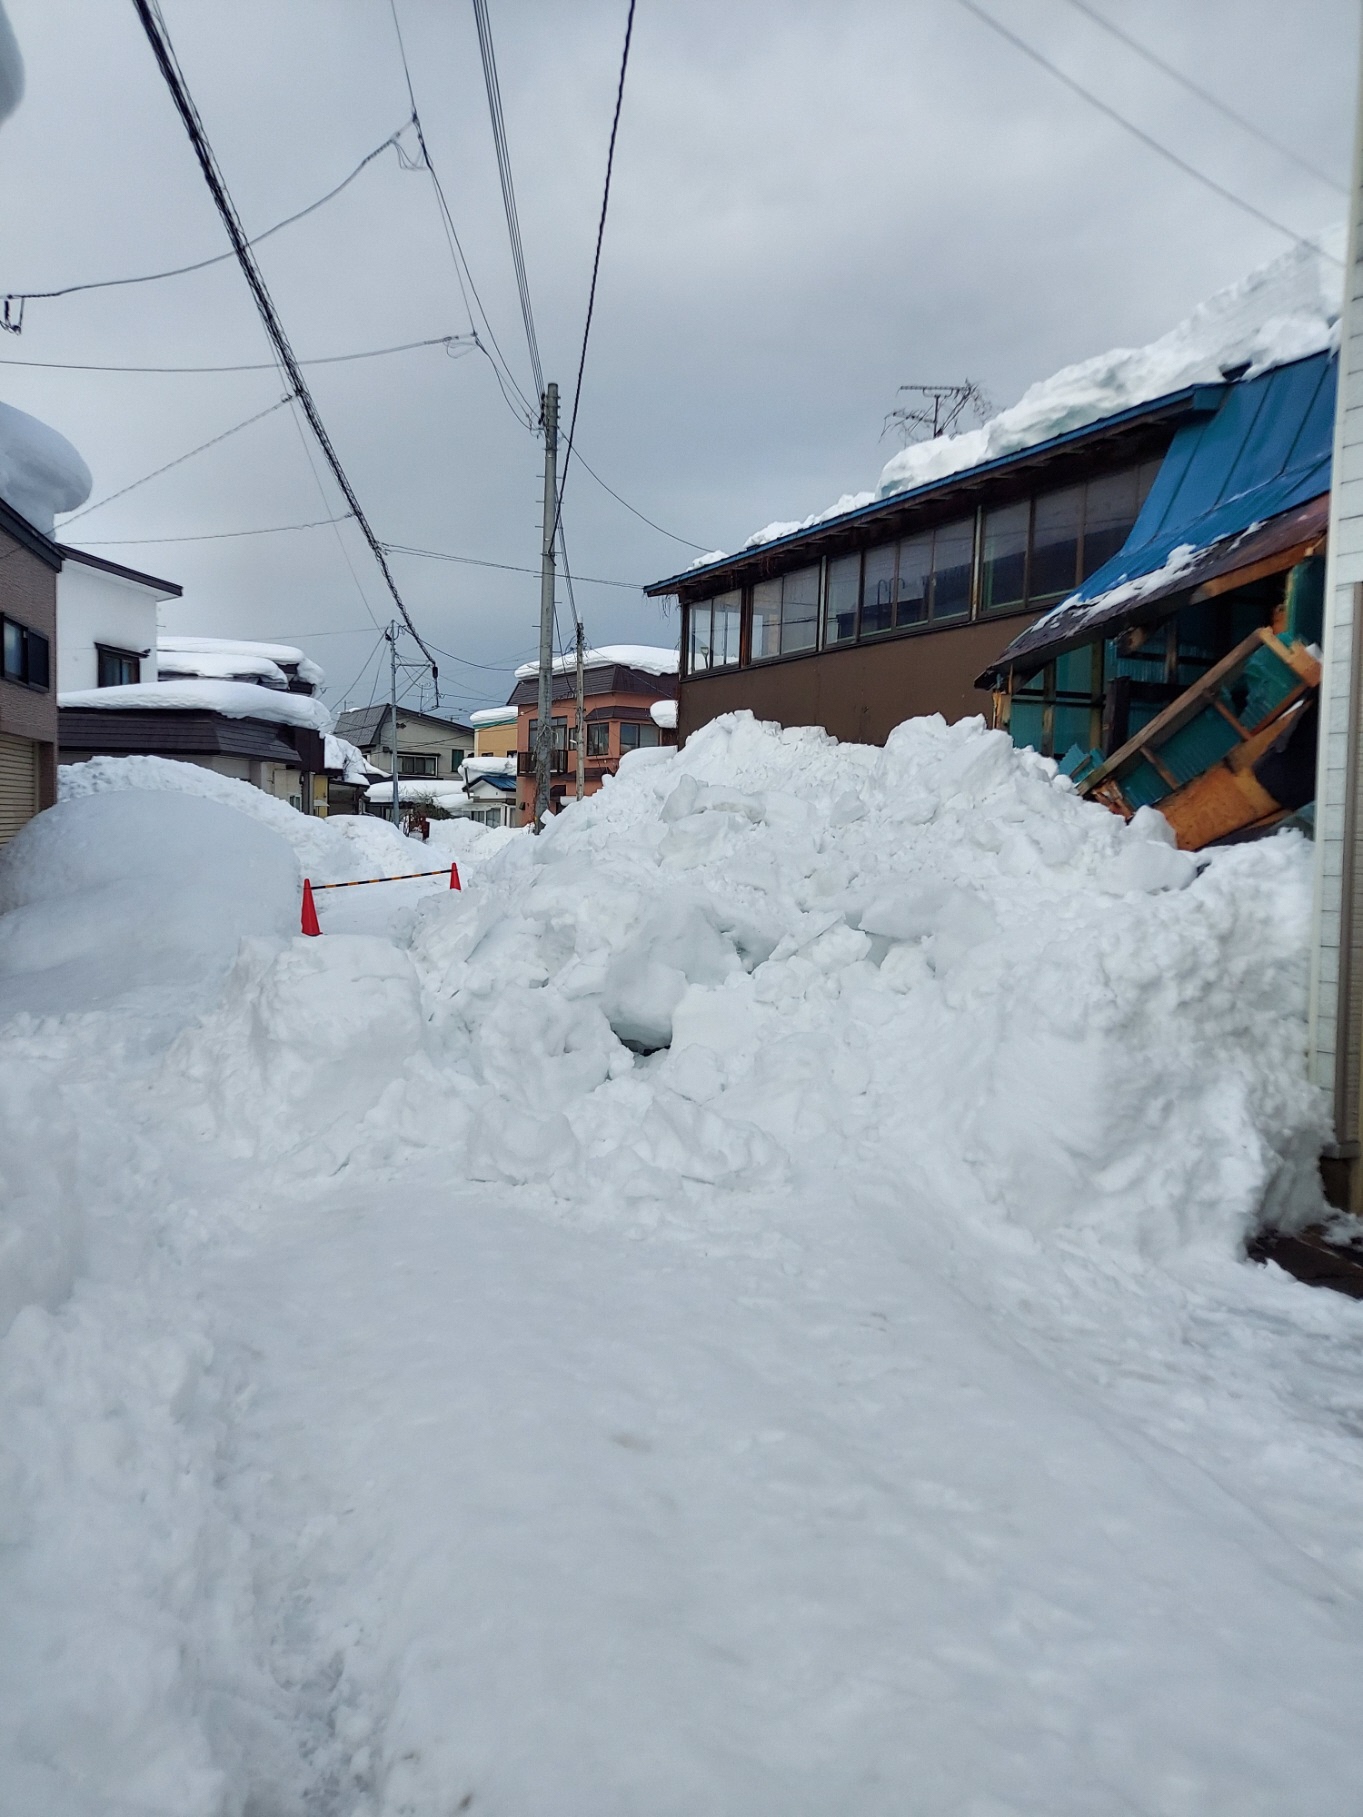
[
  {"x": 222, "y": 657},
  {"x": 1283, "y": 311},
  {"x": 740, "y": 1309},
  {"x": 40, "y": 472},
  {"x": 11, "y": 68}
]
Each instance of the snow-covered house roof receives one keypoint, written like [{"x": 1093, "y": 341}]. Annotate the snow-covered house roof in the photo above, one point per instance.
[
  {"x": 40, "y": 472},
  {"x": 347, "y": 761},
  {"x": 474, "y": 769},
  {"x": 134, "y": 577},
  {"x": 1279, "y": 314},
  {"x": 649, "y": 659},
  {"x": 234, "y": 659},
  {"x": 492, "y": 716},
  {"x": 233, "y": 699}
]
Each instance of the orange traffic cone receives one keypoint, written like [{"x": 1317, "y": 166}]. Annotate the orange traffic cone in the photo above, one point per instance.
[
  {"x": 455, "y": 884},
  {"x": 311, "y": 924}
]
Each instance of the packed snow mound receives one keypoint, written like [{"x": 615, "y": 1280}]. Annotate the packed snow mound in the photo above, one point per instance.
[
  {"x": 738, "y": 962},
  {"x": 219, "y": 654},
  {"x": 1283, "y": 311},
  {"x": 40, "y": 472}
]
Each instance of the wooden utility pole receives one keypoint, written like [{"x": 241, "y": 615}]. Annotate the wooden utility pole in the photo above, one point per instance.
[
  {"x": 395, "y": 812},
  {"x": 544, "y": 734},
  {"x": 581, "y": 712}
]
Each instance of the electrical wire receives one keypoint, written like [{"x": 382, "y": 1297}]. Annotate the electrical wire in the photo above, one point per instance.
[
  {"x": 440, "y": 555},
  {"x": 20, "y": 297},
  {"x": 513, "y": 226},
  {"x": 596, "y": 256},
  {"x": 217, "y": 536},
  {"x": 448, "y": 341},
  {"x": 1204, "y": 94},
  {"x": 1147, "y": 139},
  {"x": 635, "y": 512},
  {"x": 179, "y": 460},
  {"x": 519, "y": 405},
  {"x": 149, "y": 12}
]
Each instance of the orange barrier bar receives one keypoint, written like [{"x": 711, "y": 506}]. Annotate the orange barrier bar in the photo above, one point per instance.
[{"x": 310, "y": 923}]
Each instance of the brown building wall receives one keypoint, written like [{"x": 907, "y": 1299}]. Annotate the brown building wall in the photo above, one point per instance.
[
  {"x": 861, "y": 693},
  {"x": 28, "y": 593}
]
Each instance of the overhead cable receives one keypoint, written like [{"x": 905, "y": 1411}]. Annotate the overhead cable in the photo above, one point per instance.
[
  {"x": 596, "y": 257},
  {"x": 448, "y": 341},
  {"x": 1147, "y": 139},
  {"x": 513, "y": 226},
  {"x": 520, "y": 406},
  {"x": 179, "y": 460},
  {"x": 12, "y": 310},
  {"x": 217, "y": 536},
  {"x": 1245, "y": 124},
  {"x": 440, "y": 555},
  {"x": 634, "y": 511},
  {"x": 149, "y": 12}
]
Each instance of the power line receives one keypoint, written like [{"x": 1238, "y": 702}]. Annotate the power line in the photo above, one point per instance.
[
  {"x": 13, "y": 319},
  {"x": 440, "y": 555},
  {"x": 149, "y": 12},
  {"x": 448, "y": 341},
  {"x": 596, "y": 257},
  {"x": 217, "y": 536},
  {"x": 635, "y": 512},
  {"x": 519, "y": 404},
  {"x": 1155, "y": 145},
  {"x": 1204, "y": 94},
  {"x": 179, "y": 460},
  {"x": 513, "y": 226}
]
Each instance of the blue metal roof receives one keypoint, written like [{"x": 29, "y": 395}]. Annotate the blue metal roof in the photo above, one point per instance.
[
  {"x": 1265, "y": 452},
  {"x": 1196, "y": 400}
]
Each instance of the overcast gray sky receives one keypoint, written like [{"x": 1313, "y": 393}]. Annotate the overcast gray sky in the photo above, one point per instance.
[{"x": 814, "y": 203}]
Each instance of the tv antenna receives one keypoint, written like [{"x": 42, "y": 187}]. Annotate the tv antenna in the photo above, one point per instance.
[{"x": 930, "y": 411}]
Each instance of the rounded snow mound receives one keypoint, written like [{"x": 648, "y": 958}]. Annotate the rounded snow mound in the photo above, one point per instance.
[
  {"x": 115, "y": 893},
  {"x": 40, "y": 472}
]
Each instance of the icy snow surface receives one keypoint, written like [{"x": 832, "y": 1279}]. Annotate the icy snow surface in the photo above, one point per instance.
[
  {"x": 235, "y": 699},
  {"x": 651, "y": 658},
  {"x": 739, "y": 1310},
  {"x": 1283, "y": 311}
]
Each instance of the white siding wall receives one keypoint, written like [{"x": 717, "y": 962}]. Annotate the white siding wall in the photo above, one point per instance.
[{"x": 98, "y": 608}]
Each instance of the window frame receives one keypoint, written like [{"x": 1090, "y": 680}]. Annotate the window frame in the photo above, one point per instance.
[
  {"x": 112, "y": 653},
  {"x": 30, "y": 643}
]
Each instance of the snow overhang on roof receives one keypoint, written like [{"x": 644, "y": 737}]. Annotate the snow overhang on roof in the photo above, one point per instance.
[
  {"x": 831, "y": 533},
  {"x": 1248, "y": 486}
]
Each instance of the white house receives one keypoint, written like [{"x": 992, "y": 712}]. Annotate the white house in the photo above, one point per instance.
[{"x": 106, "y": 617}]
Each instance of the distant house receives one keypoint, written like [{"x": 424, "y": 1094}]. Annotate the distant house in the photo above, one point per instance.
[
  {"x": 494, "y": 731},
  {"x": 621, "y": 685},
  {"x": 430, "y": 748},
  {"x": 30, "y": 565}
]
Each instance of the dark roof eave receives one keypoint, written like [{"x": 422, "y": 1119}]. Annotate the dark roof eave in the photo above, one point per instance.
[
  {"x": 1192, "y": 400},
  {"x": 15, "y": 525},
  {"x": 87, "y": 560}
]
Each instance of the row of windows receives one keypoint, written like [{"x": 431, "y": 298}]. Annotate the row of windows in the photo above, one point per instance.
[
  {"x": 1008, "y": 558},
  {"x": 427, "y": 763},
  {"x": 634, "y": 735},
  {"x": 26, "y": 654}
]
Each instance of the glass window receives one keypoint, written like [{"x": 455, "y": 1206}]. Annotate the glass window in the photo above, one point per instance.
[
  {"x": 14, "y": 650},
  {"x": 1073, "y": 725},
  {"x": 416, "y": 763},
  {"x": 844, "y": 589},
  {"x": 35, "y": 654},
  {"x": 1111, "y": 507},
  {"x": 799, "y": 610},
  {"x": 877, "y": 593},
  {"x": 1004, "y": 578},
  {"x": 953, "y": 557},
  {"x": 766, "y": 619},
  {"x": 635, "y": 736},
  {"x": 116, "y": 668},
  {"x": 1025, "y": 723},
  {"x": 599, "y": 738},
  {"x": 700, "y": 646},
  {"x": 727, "y": 617},
  {"x": 1057, "y": 520},
  {"x": 915, "y": 579}
]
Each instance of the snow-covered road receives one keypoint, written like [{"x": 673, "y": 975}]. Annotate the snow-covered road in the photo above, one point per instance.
[{"x": 421, "y": 1402}]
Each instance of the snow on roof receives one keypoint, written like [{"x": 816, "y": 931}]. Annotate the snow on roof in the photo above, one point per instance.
[
  {"x": 40, "y": 472},
  {"x": 664, "y": 713},
  {"x": 11, "y": 68},
  {"x": 493, "y": 716},
  {"x": 234, "y": 699},
  {"x": 341, "y": 755},
  {"x": 441, "y": 792},
  {"x": 220, "y": 666},
  {"x": 477, "y": 768},
  {"x": 651, "y": 658},
  {"x": 1280, "y": 312},
  {"x": 285, "y": 656}
]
